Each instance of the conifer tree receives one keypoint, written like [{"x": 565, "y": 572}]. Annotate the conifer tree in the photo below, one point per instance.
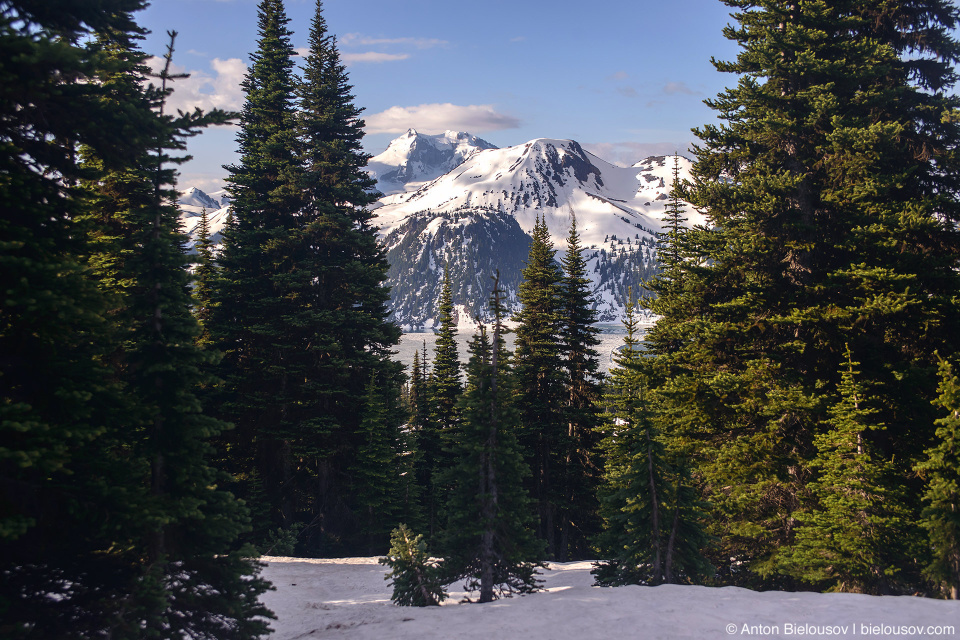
[
  {"x": 489, "y": 538},
  {"x": 302, "y": 306},
  {"x": 141, "y": 537},
  {"x": 203, "y": 276},
  {"x": 581, "y": 366},
  {"x": 259, "y": 286},
  {"x": 829, "y": 193},
  {"x": 941, "y": 471},
  {"x": 445, "y": 388},
  {"x": 338, "y": 251},
  {"x": 375, "y": 472},
  {"x": 850, "y": 540},
  {"x": 654, "y": 517},
  {"x": 634, "y": 490},
  {"x": 416, "y": 581},
  {"x": 60, "y": 462},
  {"x": 539, "y": 372}
]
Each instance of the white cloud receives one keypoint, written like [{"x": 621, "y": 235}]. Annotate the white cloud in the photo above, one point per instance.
[
  {"x": 372, "y": 56},
  {"x": 436, "y": 118},
  {"x": 678, "y": 87},
  {"x": 619, "y": 75},
  {"x": 352, "y": 39},
  {"x": 626, "y": 154},
  {"x": 219, "y": 89}
]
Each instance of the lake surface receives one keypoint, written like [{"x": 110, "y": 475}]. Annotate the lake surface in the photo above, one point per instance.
[{"x": 610, "y": 339}]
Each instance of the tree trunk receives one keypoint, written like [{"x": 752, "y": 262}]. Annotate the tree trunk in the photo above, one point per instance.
[{"x": 655, "y": 513}]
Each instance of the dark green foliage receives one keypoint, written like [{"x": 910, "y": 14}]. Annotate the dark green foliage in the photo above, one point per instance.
[
  {"x": 375, "y": 472},
  {"x": 654, "y": 518},
  {"x": 578, "y": 520},
  {"x": 301, "y": 306},
  {"x": 852, "y": 538},
  {"x": 540, "y": 385},
  {"x": 941, "y": 470},
  {"x": 417, "y": 581},
  {"x": 440, "y": 398},
  {"x": 831, "y": 191},
  {"x": 257, "y": 294},
  {"x": 113, "y": 524},
  {"x": 488, "y": 537},
  {"x": 204, "y": 274}
]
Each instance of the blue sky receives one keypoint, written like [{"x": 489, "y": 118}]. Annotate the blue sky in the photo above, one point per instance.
[{"x": 625, "y": 78}]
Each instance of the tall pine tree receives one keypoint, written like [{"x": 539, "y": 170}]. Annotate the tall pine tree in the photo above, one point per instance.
[
  {"x": 349, "y": 335},
  {"x": 941, "y": 516},
  {"x": 539, "y": 373},
  {"x": 489, "y": 537},
  {"x": 831, "y": 194},
  {"x": 578, "y": 519},
  {"x": 260, "y": 292},
  {"x": 148, "y": 548}
]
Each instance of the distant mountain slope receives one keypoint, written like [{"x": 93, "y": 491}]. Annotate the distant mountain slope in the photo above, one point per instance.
[
  {"x": 415, "y": 158},
  {"x": 618, "y": 212},
  {"x": 454, "y": 198}
]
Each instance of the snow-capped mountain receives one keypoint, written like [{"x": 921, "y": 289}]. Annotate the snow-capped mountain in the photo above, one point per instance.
[
  {"x": 502, "y": 191},
  {"x": 456, "y": 199},
  {"x": 192, "y": 203},
  {"x": 415, "y": 158}
]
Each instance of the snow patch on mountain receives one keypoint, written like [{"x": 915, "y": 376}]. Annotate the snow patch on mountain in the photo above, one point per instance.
[{"x": 416, "y": 158}]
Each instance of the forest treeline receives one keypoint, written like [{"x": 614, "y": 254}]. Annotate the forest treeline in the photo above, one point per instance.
[{"x": 791, "y": 421}]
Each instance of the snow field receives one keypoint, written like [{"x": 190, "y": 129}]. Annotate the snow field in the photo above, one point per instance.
[{"x": 349, "y": 598}]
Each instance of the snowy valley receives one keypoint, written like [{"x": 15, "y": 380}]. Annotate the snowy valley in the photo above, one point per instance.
[{"x": 348, "y": 598}]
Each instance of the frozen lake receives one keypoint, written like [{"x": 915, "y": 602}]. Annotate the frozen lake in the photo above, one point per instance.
[{"x": 610, "y": 339}]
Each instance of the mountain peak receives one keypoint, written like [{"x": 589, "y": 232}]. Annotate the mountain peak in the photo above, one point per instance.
[{"x": 415, "y": 158}]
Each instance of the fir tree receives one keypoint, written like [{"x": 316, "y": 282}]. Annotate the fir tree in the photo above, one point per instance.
[
  {"x": 61, "y": 460},
  {"x": 827, "y": 193},
  {"x": 488, "y": 538},
  {"x": 337, "y": 250},
  {"x": 581, "y": 366},
  {"x": 851, "y": 539},
  {"x": 375, "y": 472},
  {"x": 442, "y": 397},
  {"x": 150, "y": 534},
  {"x": 259, "y": 287},
  {"x": 204, "y": 275},
  {"x": 654, "y": 517},
  {"x": 941, "y": 471},
  {"x": 302, "y": 306},
  {"x": 416, "y": 581},
  {"x": 539, "y": 372}
]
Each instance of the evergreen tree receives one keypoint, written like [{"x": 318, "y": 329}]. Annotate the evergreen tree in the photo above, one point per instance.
[
  {"x": 375, "y": 472},
  {"x": 204, "y": 275},
  {"x": 830, "y": 192},
  {"x": 148, "y": 551},
  {"x": 256, "y": 305},
  {"x": 581, "y": 366},
  {"x": 851, "y": 539},
  {"x": 416, "y": 581},
  {"x": 338, "y": 251},
  {"x": 539, "y": 372},
  {"x": 445, "y": 388},
  {"x": 941, "y": 470},
  {"x": 654, "y": 517},
  {"x": 61, "y": 466},
  {"x": 301, "y": 303},
  {"x": 489, "y": 539}
]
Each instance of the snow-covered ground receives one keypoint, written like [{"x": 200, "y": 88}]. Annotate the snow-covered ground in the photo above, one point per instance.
[{"x": 349, "y": 598}]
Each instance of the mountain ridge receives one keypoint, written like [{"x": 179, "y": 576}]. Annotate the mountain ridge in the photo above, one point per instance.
[{"x": 469, "y": 204}]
